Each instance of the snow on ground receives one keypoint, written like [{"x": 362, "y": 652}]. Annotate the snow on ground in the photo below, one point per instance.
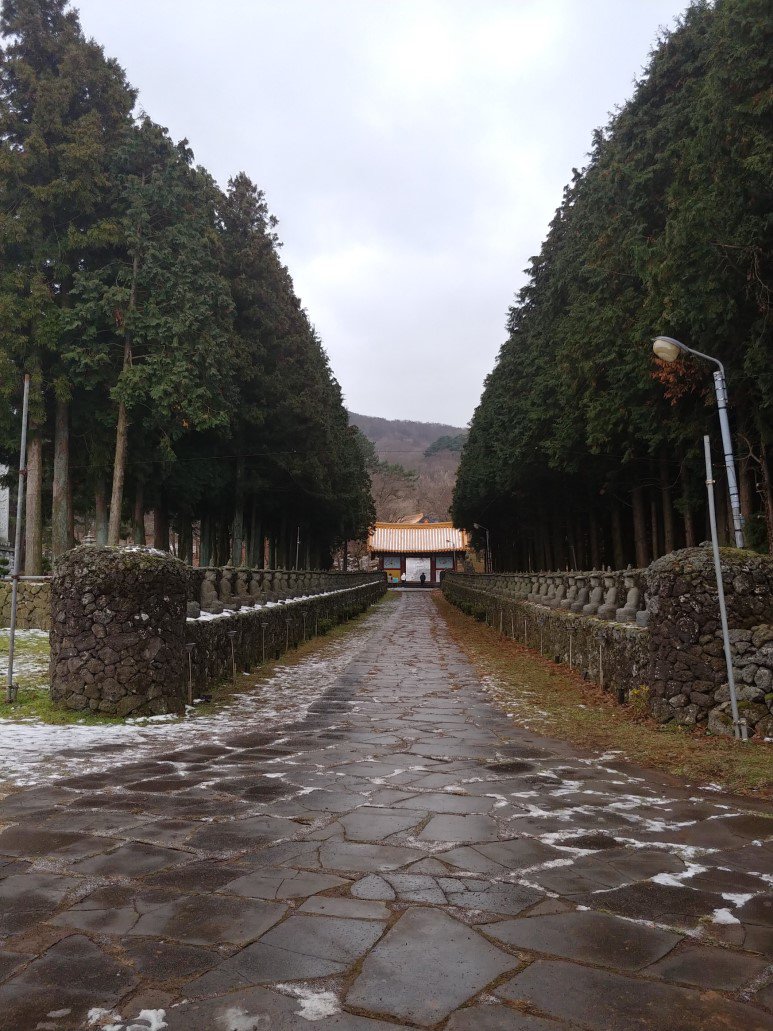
[
  {"x": 33, "y": 753},
  {"x": 30, "y": 661}
]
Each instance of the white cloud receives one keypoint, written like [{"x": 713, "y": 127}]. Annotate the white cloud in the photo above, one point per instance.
[{"x": 414, "y": 151}]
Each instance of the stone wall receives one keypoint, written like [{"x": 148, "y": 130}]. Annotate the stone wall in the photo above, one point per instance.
[
  {"x": 614, "y": 655},
  {"x": 688, "y": 675},
  {"x": 118, "y": 631},
  {"x": 215, "y": 589},
  {"x": 656, "y": 629},
  {"x": 33, "y": 610},
  {"x": 247, "y": 638},
  {"x": 128, "y": 638}
]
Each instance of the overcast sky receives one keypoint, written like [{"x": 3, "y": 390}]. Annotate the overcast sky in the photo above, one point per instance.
[{"x": 414, "y": 152}]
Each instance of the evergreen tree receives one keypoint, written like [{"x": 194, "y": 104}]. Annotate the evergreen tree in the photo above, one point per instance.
[
  {"x": 584, "y": 449},
  {"x": 63, "y": 107}
]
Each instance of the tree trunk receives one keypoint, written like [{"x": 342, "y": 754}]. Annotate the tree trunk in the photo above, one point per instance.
[
  {"x": 688, "y": 514},
  {"x": 721, "y": 504},
  {"x": 571, "y": 544},
  {"x": 559, "y": 543},
  {"x": 345, "y": 560},
  {"x": 618, "y": 551},
  {"x": 185, "y": 541},
  {"x": 71, "y": 515},
  {"x": 205, "y": 541},
  {"x": 119, "y": 471},
  {"x": 138, "y": 514},
  {"x": 640, "y": 527},
  {"x": 255, "y": 560},
  {"x": 690, "y": 537},
  {"x": 655, "y": 533},
  {"x": 160, "y": 528},
  {"x": 33, "y": 526},
  {"x": 122, "y": 430},
  {"x": 60, "y": 502},
  {"x": 237, "y": 535},
  {"x": 100, "y": 513},
  {"x": 667, "y": 506},
  {"x": 767, "y": 496},
  {"x": 593, "y": 533},
  {"x": 745, "y": 488},
  {"x": 282, "y": 549},
  {"x": 223, "y": 544}
]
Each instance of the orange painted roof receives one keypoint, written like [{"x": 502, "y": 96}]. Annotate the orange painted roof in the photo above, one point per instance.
[{"x": 417, "y": 539}]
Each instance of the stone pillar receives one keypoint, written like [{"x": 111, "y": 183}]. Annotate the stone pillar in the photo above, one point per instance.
[{"x": 118, "y": 631}]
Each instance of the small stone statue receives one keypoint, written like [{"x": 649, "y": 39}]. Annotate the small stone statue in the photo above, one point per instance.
[
  {"x": 609, "y": 609},
  {"x": 643, "y": 615},
  {"x": 591, "y": 607},
  {"x": 568, "y": 600},
  {"x": 581, "y": 597},
  {"x": 560, "y": 591},
  {"x": 627, "y": 614},
  {"x": 225, "y": 587},
  {"x": 208, "y": 593}
]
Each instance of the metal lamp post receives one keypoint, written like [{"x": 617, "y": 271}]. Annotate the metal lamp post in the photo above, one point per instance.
[
  {"x": 668, "y": 349},
  {"x": 11, "y": 687},
  {"x": 453, "y": 548},
  {"x": 478, "y": 526}
]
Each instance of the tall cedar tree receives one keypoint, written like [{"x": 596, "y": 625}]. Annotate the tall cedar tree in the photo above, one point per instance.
[
  {"x": 160, "y": 327},
  {"x": 584, "y": 449},
  {"x": 63, "y": 108}
]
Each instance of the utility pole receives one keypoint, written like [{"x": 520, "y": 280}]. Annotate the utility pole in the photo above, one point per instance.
[{"x": 11, "y": 688}]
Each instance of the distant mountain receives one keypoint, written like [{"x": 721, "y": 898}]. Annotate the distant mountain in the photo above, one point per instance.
[
  {"x": 404, "y": 442},
  {"x": 430, "y": 450}
]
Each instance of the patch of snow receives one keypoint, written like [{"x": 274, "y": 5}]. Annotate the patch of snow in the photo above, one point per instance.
[
  {"x": 236, "y": 1018},
  {"x": 737, "y": 898},
  {"x": 314, "y": 1005},
  {"x": 31, "y": 753},
  {"x": 104, "y": 1020},
  {"x": 152, "y": 1020},
  {"x": 724, "y": 916}
]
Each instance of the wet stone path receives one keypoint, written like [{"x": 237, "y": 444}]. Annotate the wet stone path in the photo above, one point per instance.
[{"x": 402, "y": 856}]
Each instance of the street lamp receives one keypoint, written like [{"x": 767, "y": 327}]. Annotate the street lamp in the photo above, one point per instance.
[
  {"x": 477, "y": 526},
  {"x": 668, "y": 349},
  {"x": 453, "y": 548}
]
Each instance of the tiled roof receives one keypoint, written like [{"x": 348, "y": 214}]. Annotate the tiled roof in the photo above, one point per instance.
[{"x": 402, "y": 538}]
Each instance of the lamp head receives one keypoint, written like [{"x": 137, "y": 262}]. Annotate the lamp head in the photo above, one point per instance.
[
  {"x": 476, "y": 526},
  {"x": 667, "y": 349}
]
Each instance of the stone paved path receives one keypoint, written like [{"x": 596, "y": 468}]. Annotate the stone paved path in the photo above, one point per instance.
[{"x": 402, "y": 857}]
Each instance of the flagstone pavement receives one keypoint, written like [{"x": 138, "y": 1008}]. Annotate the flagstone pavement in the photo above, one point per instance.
[{"x": 402, "y": 856}]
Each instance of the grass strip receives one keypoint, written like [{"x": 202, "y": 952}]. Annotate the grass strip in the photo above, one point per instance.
[{"x": 552, "y": 700}]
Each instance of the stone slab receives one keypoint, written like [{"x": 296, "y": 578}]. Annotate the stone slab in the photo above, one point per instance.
[
  {"x": 282, "y": 884},
  {"x": 602, "y": 1001},
  {"x": 587, "y": 938},
  {"x": 718, "y": 969},
  {"x": 405, "y": 979}
]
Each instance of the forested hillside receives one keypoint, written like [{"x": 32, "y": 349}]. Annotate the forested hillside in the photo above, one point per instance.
[
  {"x": 401, "y": 440},
  {"x": 173, "y": 369},
  {"x": 585, "y": 449},
  {"x": 412, "y": 465}
]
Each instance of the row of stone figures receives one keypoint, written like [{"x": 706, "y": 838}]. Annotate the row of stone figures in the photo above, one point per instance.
[
  {"x": 216, "y": 590},
  {"x": 611, "y": 594}
]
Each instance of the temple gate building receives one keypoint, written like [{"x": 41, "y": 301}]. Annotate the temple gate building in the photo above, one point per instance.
[{"x": 416, "y": 548}]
